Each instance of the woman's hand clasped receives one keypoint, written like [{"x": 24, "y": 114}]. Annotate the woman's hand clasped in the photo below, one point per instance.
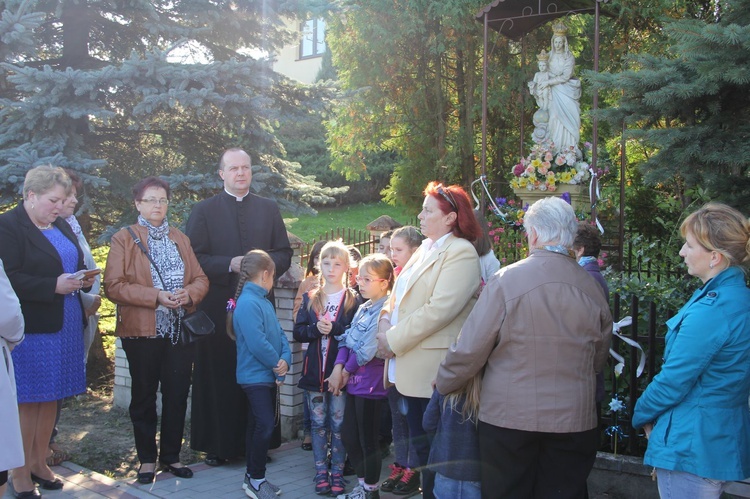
[
  {"x": 384, "y": 350},
  {"x": 167, "y": 299},
  {"x": 67, "y": 284}
]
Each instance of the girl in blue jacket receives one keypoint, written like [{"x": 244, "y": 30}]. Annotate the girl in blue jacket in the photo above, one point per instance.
[
  {"x": 695, "y": 411},
  {"x": 263, "y": 358}
]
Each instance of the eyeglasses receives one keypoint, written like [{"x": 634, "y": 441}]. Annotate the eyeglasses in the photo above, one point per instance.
[
  {"x": 161, "y": 201},
  {"x": 447, "y": 196},
  {"x": 367, "y": 280}
]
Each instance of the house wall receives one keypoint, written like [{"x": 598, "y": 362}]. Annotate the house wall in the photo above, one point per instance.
[{"x": 288, "y": 62}]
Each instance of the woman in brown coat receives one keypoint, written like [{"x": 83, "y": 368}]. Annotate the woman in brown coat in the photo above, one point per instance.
[{"x": 150, "y": 300}]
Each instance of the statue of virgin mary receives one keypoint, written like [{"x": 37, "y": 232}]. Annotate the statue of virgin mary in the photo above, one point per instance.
[{"x": 564, "y": 93}]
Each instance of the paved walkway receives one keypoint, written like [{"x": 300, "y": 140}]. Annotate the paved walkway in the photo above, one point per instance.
[{"x": 291, "y": 469}]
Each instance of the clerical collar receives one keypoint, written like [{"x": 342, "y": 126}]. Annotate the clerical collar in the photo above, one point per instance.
[{"x": 239, "y": 199}]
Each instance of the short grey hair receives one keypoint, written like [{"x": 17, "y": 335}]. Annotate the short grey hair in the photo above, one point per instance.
[
  {"x": 553, "y": 220},
  {"x": 44, "y": 178}
]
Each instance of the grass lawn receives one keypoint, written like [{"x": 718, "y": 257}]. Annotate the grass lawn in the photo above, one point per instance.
[{"x": 356, "y": 216}]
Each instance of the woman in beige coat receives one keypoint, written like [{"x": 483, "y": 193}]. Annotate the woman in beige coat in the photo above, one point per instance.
[{"x": 431, "y": 299}]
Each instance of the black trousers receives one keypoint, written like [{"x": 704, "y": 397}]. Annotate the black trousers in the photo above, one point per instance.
[
  {"x": 360, "y": 433},
  {"x": 421, "y": 442},
  {"x": 261, "y": 416},
  {"x": 153, "y": 361},
  {"x": 525, "y": 464}
]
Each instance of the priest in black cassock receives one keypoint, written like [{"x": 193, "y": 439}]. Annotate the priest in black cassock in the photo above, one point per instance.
[{"x": 221, "y": 230}]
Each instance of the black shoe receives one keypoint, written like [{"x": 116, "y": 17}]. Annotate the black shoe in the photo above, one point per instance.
[
  {"x": 54, "y": 484},
  {"x": 409, "y": 483},
  {"x": 146, "y": 477},
  {"x": 214, "y": 460},
  {"x": 181, "y": 472},
  {"x": 28, "y": 494},
  {"x": 306, "y": 445}
]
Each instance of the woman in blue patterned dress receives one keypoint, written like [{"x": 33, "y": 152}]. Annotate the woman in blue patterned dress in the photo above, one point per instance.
[{"x": 40, "y": 252}]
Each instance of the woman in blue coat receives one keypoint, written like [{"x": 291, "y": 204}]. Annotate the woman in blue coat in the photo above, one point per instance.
[{"x": 695, "y": 411}]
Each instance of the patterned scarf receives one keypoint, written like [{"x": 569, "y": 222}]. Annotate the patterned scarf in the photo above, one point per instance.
[
  {"x": 164, "y": 253},
  {"x": 73, "y": 222}
]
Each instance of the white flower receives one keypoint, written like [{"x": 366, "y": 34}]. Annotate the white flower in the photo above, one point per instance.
[
  {"x": 616, "y": 405},
  {"x": 543, "y": 187},
  {"x": 618, "y": 368}
]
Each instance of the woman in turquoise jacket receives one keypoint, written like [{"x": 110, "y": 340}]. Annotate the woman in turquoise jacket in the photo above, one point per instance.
[{"x": 695, "y": 411}]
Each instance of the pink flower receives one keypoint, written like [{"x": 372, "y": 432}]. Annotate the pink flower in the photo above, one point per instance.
[
  {"x": 518, "y": 170},
  {"x": 491, "y": 233},
  {"x": 551, "y": 187},
  {"x": 518, "y": 245},
  {"x": 604, "y": 254},
  {"x": 560, "y": 160},
  {"x": 512, "y": 202},
  {"x": 501, "y": 230},
  {"x": 600, "y": 262},
  {"x": 548, "y": 156},
  {"x": 496, "y": 239}
]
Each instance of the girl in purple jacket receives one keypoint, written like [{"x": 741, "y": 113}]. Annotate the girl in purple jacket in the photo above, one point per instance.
[{"x": 361, "y": 372}]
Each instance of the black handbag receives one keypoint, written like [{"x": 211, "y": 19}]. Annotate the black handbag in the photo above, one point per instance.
[{"x": 195, "y": 326}]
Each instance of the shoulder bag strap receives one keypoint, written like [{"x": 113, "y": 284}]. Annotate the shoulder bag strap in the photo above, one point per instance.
[{"x": 145, "y": 252}]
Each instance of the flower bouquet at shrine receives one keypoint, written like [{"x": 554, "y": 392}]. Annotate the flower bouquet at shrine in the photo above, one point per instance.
[{"x": 545, "y": 170}]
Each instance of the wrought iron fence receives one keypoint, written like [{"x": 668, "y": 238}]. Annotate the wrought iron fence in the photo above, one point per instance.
[{"x": 647, "y": 328}]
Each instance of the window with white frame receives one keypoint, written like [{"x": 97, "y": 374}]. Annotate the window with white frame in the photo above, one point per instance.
[{"x": 313, "y": 39}]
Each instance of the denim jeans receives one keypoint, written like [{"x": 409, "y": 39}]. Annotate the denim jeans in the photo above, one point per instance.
[
  {"x": 327, "y": 414},
  {"x": 261, "y": 416},
  {"x": 306, "y": 423},
  {"x": 421, "y": 441},
  {"x": 448, "y": 488},
  {"x": 678, "y": 485},
  {"x": 404, "y": 452}
]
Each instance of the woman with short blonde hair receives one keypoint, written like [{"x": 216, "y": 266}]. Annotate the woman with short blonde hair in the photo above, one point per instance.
[{"x": 694, "y": 412}]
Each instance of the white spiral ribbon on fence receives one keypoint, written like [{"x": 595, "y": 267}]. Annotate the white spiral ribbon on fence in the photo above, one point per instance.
[
  {"x": 594, "y": 197},
  {"x": 493, "y": 206},
  {"x": 624, "y": 322}
]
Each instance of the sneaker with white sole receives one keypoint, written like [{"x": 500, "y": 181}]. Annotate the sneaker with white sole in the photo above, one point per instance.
[
  {"x": 250, "y": 491},
  {"x": 360, "y": 493}
]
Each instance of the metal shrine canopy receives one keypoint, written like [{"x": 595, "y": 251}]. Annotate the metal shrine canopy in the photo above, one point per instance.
[{"x": 516, "y": 18}]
